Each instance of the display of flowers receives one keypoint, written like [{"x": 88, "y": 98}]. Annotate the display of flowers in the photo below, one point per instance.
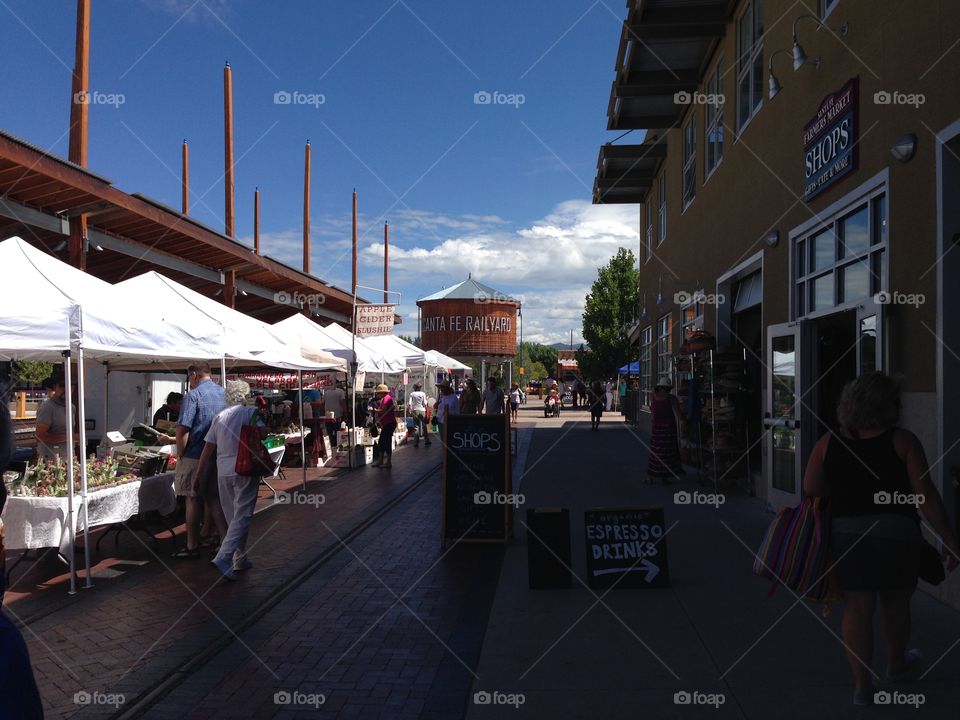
[{"x": 48, "y": 478}]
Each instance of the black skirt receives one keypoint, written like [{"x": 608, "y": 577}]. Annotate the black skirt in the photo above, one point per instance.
[{"x": 875, "y": 552}]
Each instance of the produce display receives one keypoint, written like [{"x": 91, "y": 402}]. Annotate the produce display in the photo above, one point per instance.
[{"x": 48, "y": 478}]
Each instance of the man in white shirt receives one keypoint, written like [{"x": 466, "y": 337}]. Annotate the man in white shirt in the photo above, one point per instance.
[
  {"x": 334, "y": 401},
  {"x": 417, "y": 404},
  {"x": 492, "y": 398}
]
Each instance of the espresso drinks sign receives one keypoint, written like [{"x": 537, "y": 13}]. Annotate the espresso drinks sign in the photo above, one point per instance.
[{"x": 830, "y": 141}]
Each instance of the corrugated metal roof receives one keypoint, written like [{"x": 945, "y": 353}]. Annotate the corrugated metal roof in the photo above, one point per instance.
[{"x": 469, "y": 289}]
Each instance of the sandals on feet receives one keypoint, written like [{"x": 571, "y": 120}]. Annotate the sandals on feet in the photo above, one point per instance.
[{"x": 186, "y": 553}]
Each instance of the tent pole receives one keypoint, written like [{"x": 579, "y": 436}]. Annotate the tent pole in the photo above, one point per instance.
[
  {"x": 106, "y": 404},
  {"x": 82, "y": 422},
  {"x": 68, "y": 389},
  {"x": 223, "y": 372},
  {"x": 303, "y": 435}
]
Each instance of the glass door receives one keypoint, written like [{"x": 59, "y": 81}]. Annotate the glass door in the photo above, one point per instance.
[
  {"x": 870, "y": 317},
  {"x": 783, "y": 462}
]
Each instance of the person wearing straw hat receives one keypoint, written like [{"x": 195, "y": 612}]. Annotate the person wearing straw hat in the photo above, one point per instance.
[
  {"x": 664, "y": 461},
  {"x": 386, "y": 418},
  {"x": 238, "y": 493}
]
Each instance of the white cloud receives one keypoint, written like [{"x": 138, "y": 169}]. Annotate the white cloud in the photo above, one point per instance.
[{"x": 549, "y": 265}]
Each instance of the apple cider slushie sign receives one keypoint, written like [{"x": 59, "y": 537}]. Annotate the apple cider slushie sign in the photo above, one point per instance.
[
  {"x": 626, "y": 547},
  {"x": 374, "y": 320}
]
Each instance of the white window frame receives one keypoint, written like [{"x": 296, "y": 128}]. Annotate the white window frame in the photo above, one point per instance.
[
  {"x": 748, "y": 61},
  {"x": 665, "y": 345},
  {"x": 689, "y": 176},
  {"x": 713, "y": 122},
  {"x": 649, "y": 233},
  {"x": 877, "y": 255},
  {"x": 827, "y": 7},
  {"x": 662, "y": 209},
  {"x": 646, "y": 366},
  {"x": 696, "y": 322}
]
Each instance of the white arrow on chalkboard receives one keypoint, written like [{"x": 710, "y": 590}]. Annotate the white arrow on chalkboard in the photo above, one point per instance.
[{"x": 645, "y": 565}]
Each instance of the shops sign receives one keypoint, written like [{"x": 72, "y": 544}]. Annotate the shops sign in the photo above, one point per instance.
[{"x": 830, "y": 141}]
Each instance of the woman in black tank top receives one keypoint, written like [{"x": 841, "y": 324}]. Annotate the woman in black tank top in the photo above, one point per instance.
[{"x": 876, "y": 477}]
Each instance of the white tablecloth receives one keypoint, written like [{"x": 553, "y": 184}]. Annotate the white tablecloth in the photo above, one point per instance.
[{"x": 41, "y": 522}]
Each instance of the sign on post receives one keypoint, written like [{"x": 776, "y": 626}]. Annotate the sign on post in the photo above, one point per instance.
[
  {"x": 626, "y": 547},
  {"x": 374, "y": 320},
  {"x": 476, "y": 501}
]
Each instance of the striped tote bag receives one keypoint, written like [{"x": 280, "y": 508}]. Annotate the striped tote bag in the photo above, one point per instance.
[{"x": 796, "y": 551}]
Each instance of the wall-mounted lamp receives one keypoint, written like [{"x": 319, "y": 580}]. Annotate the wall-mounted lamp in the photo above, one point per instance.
[
  {"x": 798, "y": 54},
  {"x": 905, "y": 148},
  {"x": 772, "y": 238},
  {"x": 659, "y": 290}
]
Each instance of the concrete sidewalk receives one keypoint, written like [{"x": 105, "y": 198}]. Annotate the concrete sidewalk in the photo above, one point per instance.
[{"x": 580, "y": 654}]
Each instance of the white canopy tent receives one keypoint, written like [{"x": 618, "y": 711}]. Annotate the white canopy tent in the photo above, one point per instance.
[
  {"x": 314, "y": 338},
  {"x": 52, "y": 311},
  {"x": 242, "y": 338},
  {"x": 389, "y": 362}
]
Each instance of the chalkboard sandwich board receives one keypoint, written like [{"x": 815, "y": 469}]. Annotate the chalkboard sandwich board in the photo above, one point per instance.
[
  {"x": 626, "y": 547},
  {"x": 476, "y": 500}
]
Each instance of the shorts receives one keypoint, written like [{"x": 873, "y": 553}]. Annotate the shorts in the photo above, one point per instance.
[
  {"x": 875, "y": 552},
  {"x": 186, "y": 472}
]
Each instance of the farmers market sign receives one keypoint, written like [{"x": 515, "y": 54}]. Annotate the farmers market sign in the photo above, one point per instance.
[
  {"x": 374, "y": 320},
  {"x": 830, "y": 141}
]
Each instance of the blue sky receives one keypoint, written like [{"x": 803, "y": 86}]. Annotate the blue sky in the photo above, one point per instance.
[{"x": 387, "y": 98}]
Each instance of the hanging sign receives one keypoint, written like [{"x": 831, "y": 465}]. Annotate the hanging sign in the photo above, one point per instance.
[
  {"x": 374, "y": 320},
  {"x": 830, "y": 141}
]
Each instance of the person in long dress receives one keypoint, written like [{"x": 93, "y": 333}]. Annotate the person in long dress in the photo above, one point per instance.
[{"x": 664, "y": 462}]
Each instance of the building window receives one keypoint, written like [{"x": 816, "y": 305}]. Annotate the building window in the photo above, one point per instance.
[
  {"x": 713, "y": 124},
  {"x": 749, "y": 62},
  {"x": 662, "y": 213},
  {"x": 646, "y": 369},
  {"x": 690, "y": 160},
  {"x": 841, "y": 261},
  {"x": 691, "y": 315},
  {"x": 649, "y": 235},
  {"x": 664, "y": 346}
]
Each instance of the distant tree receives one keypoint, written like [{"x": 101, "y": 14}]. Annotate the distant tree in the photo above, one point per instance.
[
  {"x": 536, "y": 352},
  {"x": 608, "y": 312},
  {"x": 411, "y": 340},
  {"x": 31, "y": 372},
  {"x": 537, "y": 371}
]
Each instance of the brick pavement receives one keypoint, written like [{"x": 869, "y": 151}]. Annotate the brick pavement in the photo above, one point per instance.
[
  {"x": 344, "y": 635},
  {"x": 127, "y": 635}
]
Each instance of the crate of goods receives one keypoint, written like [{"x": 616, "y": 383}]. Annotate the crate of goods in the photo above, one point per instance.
[
  {"x": 339, "y": 458},
  {"x": 141, "y": 464}
]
